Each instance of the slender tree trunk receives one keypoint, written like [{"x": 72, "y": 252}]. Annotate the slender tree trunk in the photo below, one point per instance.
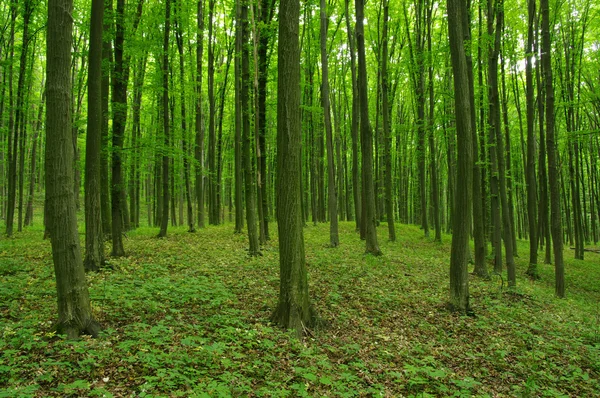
[
  {"x": 104, "y": 155},
  {"x": 21, "y": 129},
  {"x": 12, "y": 131},
  {"x": 184, "y": 132},
  {"x": 354, "y": 123},
  {"x": 164, "y": 222},
  {"x": 239, "y": 198},
  {"x": 213, "y": 205},
  {"x": 34, "y": 155},
  {"x": 267, "y": 8},
  {"x": 199, "y": 122},
  {"x": 74, "y": 310},
  {"x": 334, "y": 239},
  {"x": 551, "y": 144},
  {"x": 431, "y": 127},
  {"x": 389, "y": 209},
  {"x": 372, "y": 247},
  {"x": 254, "y": 248},
  {"x": 530, "y": 170},
  {"x": 94, "y": 239}
]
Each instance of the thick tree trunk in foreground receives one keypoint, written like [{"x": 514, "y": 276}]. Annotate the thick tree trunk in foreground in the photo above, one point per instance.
[
  {"x": 293, "y": 310},
  {"x": 369, "y": 215},
  {"x": 459, "y": 278},
  {"x": 94, "y": 239},
  {"x": 199, "y": 142},
  {"x": 74, "y": 310}
]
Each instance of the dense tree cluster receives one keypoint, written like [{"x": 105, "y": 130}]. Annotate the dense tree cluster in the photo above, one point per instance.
[{"x": 479, "y": 119}]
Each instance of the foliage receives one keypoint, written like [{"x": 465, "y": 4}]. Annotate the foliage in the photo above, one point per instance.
[{"x": 188, "y": 316}]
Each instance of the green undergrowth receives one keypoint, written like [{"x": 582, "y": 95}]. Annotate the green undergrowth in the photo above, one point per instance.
[{"x": 188, "y": 316}]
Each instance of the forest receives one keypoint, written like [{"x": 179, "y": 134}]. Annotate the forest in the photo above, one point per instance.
[{"x": 299, "y": 198}]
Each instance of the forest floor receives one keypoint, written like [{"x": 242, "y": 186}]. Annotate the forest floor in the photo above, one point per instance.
[{"x": 189, "y": 316}]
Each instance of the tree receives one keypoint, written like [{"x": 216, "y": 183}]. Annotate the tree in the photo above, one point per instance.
[
  {"x": 334, "y": 239},
  {"x": 164, "y": 223},
  {"x": 186, "y": 167},
  {"x": 293, "y": 309},
  {"x": 254, "y": 248},
  {"x": 389, "y": 200},
  {"x": 461, "y": 220},
  {"x": 354, "y": 122},
  {"x": 94, "y": 239},
  {"x": 530, "y": 170},
  {"x": 366, "y": 137},
  {"x": 553, "y": 171},
  {"x": 74, "y": 310}
]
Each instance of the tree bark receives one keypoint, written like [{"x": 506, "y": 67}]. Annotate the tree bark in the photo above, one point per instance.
[
  {"x": 354, "y": 123},
  {"x": 459, "y": 255},
  {"x": 254, "y": 248},
  {"x": 74, "y": 310},
  {"x": 372, "y": 247},
  {"x": 551, "y": 144},
  {"x": 334, "y": 239},
  {"x": 293, "y": 309},
  {"x": 532, "y": 271},
  {"x": 94, "y": 239},
  {"x": 164, "y": 222}
]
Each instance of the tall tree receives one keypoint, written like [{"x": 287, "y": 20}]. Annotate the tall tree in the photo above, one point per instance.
[
  {"x": 74, "y": 309},
  {"x": 120, "y": 79},
  {"x": 199, "y": 122},
  {"x": 94, "y": 239},
  {"x": 389, "y": 200},
  {"x": 551, "y": 144},
  {"x": 184, "y": 133},
  {"x": 254, "y": 248},
  {"x": 530, "y": 170},
  {"x": 293, "y": 309},
  {"x": 334, "y": 239},
  {"x": 12, "y": 135},
  {"x": 164, "y": 222},
  {"x": 213, "y": 204},
  {"x": 354, "y": 121},
  {"x": 461, "y": 219},
  {"x": 369, "y": 215}
]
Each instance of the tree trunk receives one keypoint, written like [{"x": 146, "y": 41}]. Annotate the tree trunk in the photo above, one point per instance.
[
  {"x": 530, "y": 170},
  {"x": 459, "y": 255},
  {"x": 213, "y": 205},
  {"x": 239, "y": 192},
  {"x": 184, "y": 133},
  {"x": 389, "y": 209},
  {"x": 551, "y": 144},
  {"x": 34, "y": 155},
  {"x": 372, "y": 247},
  {"x": 105, "y": 89},
  {"x": 354, "y": 123},
  {"x": 293, "y": 310},
  {"x": 164, "y": 222},
  {"x": 199, "y": 122},
  {"x": 74, "y": 310},
  {"x": 334, "y": 239},
  {"x": 12, "y": 131},
  {"x": 94, "y": 239},
  {"x": 254, "y": 248}
]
